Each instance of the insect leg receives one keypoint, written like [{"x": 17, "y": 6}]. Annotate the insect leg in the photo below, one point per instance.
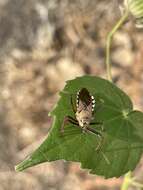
[
  {"x": 99, "y": 135},
  {"x": 98, "y": 123},
  {"x": 93, "y": 131},
  {"x": 71, "y": 118},
  {"x": 68, "y": 119}
]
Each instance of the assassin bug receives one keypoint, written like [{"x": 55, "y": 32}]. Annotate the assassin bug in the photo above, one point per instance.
[{"x": 84, "y": 113}]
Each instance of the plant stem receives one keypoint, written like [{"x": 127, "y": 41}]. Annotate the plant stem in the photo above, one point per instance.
[
  {"x": 109, "y": 40},
  {"x": 137, "y": 184},
  {"x": 127, "y": 181}
]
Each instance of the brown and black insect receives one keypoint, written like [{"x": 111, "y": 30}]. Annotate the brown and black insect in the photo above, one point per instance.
[{"x": 84, "y": 112}]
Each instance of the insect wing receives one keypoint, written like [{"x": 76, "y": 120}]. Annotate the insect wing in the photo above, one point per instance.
[{"x": 84, "y": 99}]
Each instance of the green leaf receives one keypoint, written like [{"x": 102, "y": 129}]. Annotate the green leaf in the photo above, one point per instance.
[
  {"x": 123, "y": 136},
  {"x": 135, "y": 7}
]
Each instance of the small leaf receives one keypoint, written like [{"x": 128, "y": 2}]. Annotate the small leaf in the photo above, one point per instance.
[
  {"x": 123, "y": 136},
  {"x": 135, "y": 7}
]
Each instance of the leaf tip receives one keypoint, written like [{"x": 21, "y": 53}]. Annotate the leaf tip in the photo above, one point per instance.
[
  {"x": 16, "y": 168},
  {"x": 23, "y": 165}
]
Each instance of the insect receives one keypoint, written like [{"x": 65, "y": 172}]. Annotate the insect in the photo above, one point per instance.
[{"x": 84, "y": 112}]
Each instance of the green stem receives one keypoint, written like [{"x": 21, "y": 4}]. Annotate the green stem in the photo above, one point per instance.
[
  {"x": 127, "y": 181},
  {"x": 109, "y": 40},
  {"x": 137, "y": 184}
]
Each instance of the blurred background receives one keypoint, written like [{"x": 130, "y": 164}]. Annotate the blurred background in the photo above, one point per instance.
[{"x": 43, "y": 43}]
